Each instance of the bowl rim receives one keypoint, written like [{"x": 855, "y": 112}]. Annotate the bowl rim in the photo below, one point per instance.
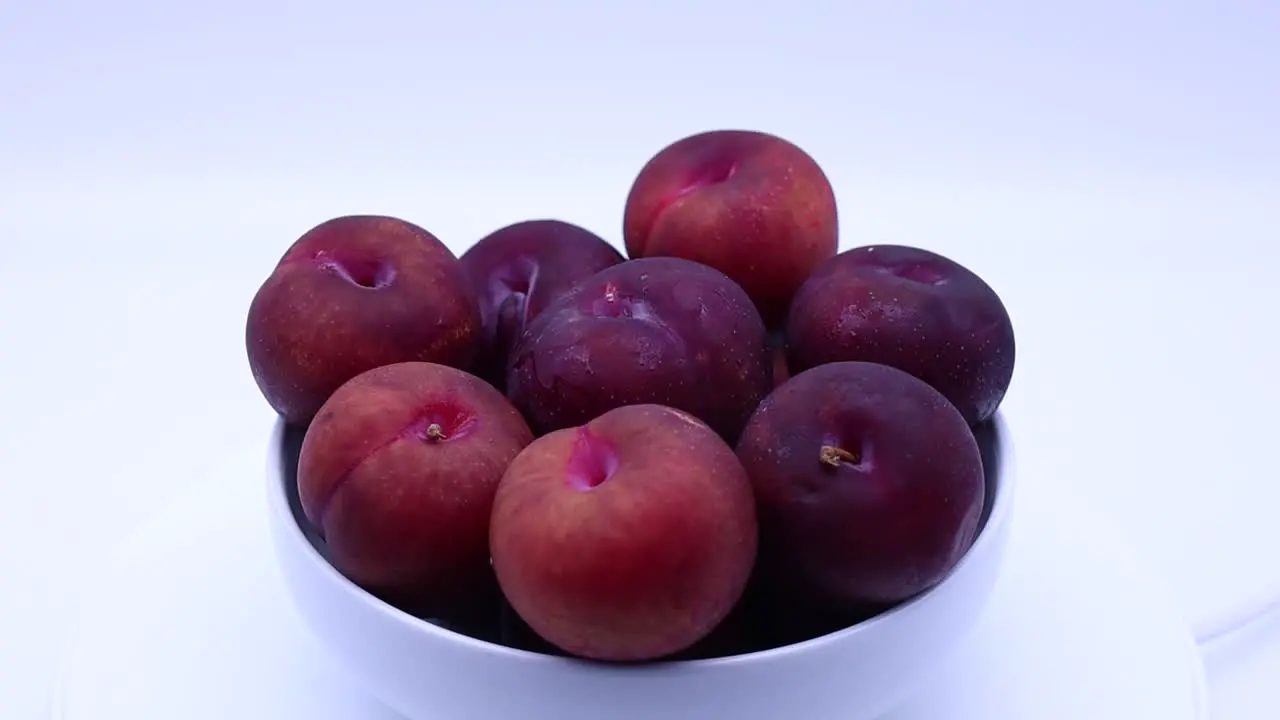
[{"x": 279, "y": 506}]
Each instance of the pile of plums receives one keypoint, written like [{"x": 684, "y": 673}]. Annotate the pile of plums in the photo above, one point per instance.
[{"x": 732, "y": 438}]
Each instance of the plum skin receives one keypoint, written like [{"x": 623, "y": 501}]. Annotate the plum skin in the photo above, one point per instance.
[
  {"x": 915, "y": 310},
  {"x": 351, "y": 294},
  {"x": 664, "y": 331},
  {"x": 748, "y": 203},
  {"x": 630, "y": 538},
  {"x": 869, "y": 484},
  {"x": 397, "y": 474},
  {"x": 518, "y": 270}
]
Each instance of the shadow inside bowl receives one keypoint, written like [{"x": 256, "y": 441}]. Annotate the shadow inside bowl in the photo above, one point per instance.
[{"x": 759, "y": 622}]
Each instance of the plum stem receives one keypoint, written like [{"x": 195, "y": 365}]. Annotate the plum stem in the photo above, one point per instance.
[
  {"x": 833, "y": 456},
  {"x": 435, "y": 432}
]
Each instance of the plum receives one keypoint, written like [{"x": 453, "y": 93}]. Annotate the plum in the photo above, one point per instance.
[
  {"x": 629, "y": 538},
  {"x": 913, "y": 309},
  {"x": 397, "y": 474},
  {"x": 354, "y": 293},
  {"x": 518, "y": 270},
  {"x": 658, "y": 330},
  {"x": 748, "y": 203},
  {"x": 869, "y": 485}
]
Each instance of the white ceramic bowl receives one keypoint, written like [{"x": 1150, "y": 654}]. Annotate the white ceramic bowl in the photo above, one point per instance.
[{"x": 426, "y": 672}]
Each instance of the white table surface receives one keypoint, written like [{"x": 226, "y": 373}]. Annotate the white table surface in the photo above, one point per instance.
[{"x": 1143, "y": 376}]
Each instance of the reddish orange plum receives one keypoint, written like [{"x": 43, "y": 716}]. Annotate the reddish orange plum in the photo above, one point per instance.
[
  {"x": 352, "y": 294},
  {"x": 398, "y": 473},
  {"x": 629, "y": 538},
  {"x": 750, "y": 204}
]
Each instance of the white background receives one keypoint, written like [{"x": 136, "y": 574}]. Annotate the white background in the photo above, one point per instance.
[{"x": 1113, "y": 172}]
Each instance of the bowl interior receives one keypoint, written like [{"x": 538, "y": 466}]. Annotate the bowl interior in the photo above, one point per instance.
[{"x": 503, "y": 628}]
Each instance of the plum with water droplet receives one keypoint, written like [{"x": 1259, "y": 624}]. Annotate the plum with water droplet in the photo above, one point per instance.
[
  {"x": 748, "y": 203},
  {"x": 517, "y": 271},
  {"x": 869, "y": 485},
  {"x": 666, "y": 331},
  {"x": 913, "y": 309}
]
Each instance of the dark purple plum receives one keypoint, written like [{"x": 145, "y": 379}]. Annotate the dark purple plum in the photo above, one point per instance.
[
  {"x": 661, "y": 331},
  {"x": 518, "y": 270},
  {"x": 869, "y": 485},
  {"x": 912, "y": 309}
]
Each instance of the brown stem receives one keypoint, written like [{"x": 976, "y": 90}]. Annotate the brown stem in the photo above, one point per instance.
[
  {"x": 435, "y": 432},
  {"x": 833, "y": 456}
]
